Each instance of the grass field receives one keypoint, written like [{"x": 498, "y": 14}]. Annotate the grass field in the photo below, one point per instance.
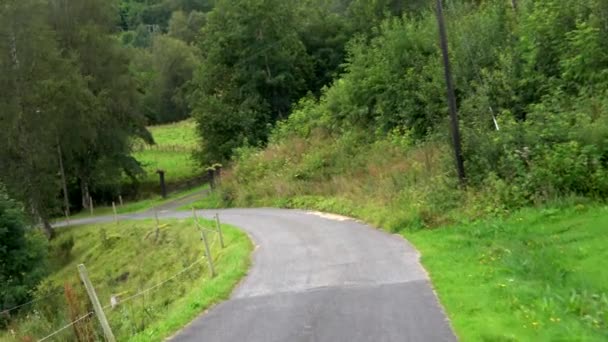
[
  {"x": 172, "y": 153},
  {"x": 539, "y": 275},
  {"x": 125, "y": 260}
]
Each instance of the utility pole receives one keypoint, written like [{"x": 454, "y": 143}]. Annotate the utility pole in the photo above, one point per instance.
[{"x": 450, "y": 93}]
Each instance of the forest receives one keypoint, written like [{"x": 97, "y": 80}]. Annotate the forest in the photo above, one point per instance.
[{"x": 337, "y": 105}]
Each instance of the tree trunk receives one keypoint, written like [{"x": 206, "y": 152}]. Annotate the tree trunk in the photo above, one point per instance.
[
  {"x": 14, "y": 52},
  {"x": 47, "y": 228},
  {"x": 43, "y": 222},
  {"x": 86, "y": 196},
  {"x": 66, "y": 200}
]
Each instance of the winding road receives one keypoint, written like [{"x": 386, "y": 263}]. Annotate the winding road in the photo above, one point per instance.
[{"x": 318, "y": 277}]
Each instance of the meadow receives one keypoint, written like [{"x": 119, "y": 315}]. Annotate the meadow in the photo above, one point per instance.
[{"x": 175, "y": 145}]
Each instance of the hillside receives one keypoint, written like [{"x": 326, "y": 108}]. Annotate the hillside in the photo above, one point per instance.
[{"x": 123, "y": 260}]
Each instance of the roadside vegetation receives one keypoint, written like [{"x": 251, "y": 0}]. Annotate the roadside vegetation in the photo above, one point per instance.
[
  {"x": 375, "y": 145},
  {"x": 212, "y": 200},
  {"x": 537, "y": 275},
  {"x": 338, "y": 106},
  {"x": 124, "y": 260}
]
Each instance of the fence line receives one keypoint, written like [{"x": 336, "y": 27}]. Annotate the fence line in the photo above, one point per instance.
[
  {"x": 140, "y": 293},
  {"x": 120, "y": 301},
  {"x": 65, "y": 327},
  {"x": 30, "y": 302}
]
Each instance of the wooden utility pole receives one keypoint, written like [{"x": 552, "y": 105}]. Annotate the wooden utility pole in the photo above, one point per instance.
[
  {"x": 450, "y": 94},
  {"x": 66, "y": 199},
  {"x": 107, "y": 331}
]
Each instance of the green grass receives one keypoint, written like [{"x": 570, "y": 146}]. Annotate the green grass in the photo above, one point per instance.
[
  {"x": 180, "y": 134},
  {"x": 538, "y": 275},
  {"x": 172, "y": 153},
  {"x": 213, "y": 200},
  {"x": 125, "y": 259}
]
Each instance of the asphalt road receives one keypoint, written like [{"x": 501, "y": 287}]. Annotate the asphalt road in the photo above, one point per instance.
[{"x": 319, "y": 277}]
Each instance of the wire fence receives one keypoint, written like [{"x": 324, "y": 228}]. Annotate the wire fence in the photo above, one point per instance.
[
  {"x": 7, "y": 311},
  {"x": 116, "y": 301},
  {"x": 65, "y": 327}
]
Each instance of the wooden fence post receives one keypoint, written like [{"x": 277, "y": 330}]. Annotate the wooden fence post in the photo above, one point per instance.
[
  {"x": 107, "y": 331},
  {"x": 115, "y": 213},
  {"x": 205, "y": 242},
  {"x": 157, "y": 231},
  {"x": 208, "y": 252},
  {"x": 91, "y": 204},
  {"x": 219, "y": 229}
]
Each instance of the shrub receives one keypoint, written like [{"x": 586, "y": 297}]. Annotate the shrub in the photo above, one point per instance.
[{"x": 22, "y": 255}]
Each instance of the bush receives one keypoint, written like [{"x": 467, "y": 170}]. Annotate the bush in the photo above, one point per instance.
[
  {"x": 22, "y": 255},
  {"x": 558, "y": 150}
]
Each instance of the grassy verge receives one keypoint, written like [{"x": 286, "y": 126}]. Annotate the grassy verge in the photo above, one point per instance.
[
  {"x": 537, "y": 274},
  {"x": 125, "y": 260},
  {"x": 213, "y": 200}
]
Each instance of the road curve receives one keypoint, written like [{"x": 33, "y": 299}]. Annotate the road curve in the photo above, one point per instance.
[{"x": 318, "y": 277}]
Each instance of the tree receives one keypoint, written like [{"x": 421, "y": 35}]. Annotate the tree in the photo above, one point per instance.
[
  {"x": 37, "y": 88},
  {"x": 85, "y": 33},
  {"x": 324, "y": 31},
  {"x": 186, "y": 27},
  {"x": 22, "y": 255},
  {"x": 173, "y": 63},
  {"x": 254, "y": 66}
]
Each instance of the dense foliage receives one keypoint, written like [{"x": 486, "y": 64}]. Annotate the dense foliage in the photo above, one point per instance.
[
  {"x": 531, "y": 86},
  {"x": 67, "y": 97},
  {"x": 22, "y": 255},
  {"x": 260, "y": 56}
]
